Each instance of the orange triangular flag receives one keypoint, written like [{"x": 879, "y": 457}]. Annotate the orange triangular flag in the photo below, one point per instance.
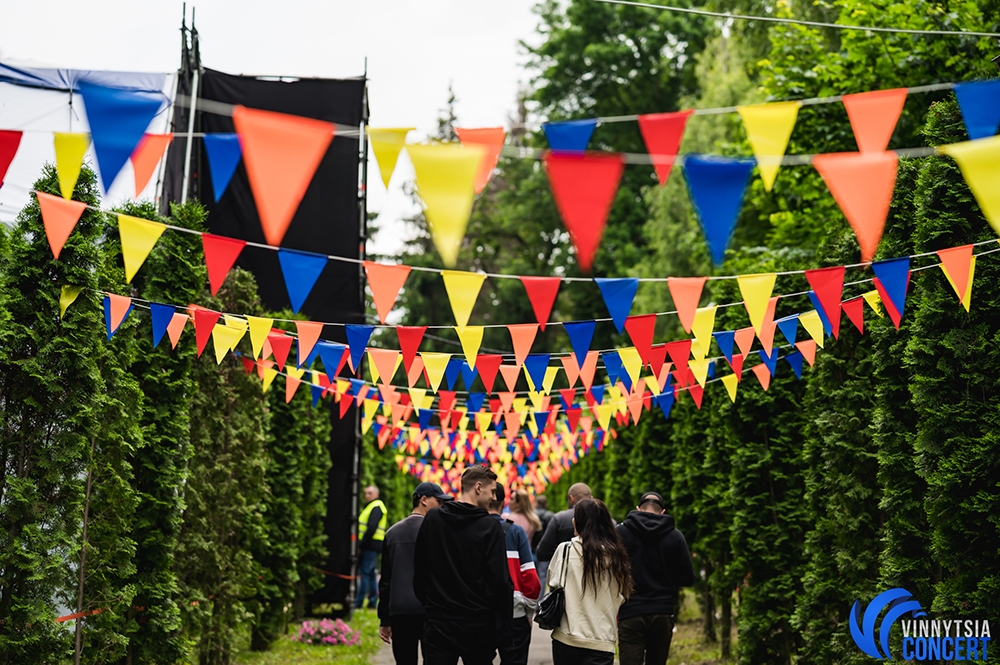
[
  {"x": 308, "y": 332},
  {"x": 571, "y": 368},
  {"x": 415, "y": 372},
  {"x": 490, "y": 138},
  {"x": 686, "y": 294},
  {"x": 744, "y": 339},
  {"x": 862, "y": 185},
  {"x": 385, "y": 363},
  {"x": 522, "y": 336},
  {"x": 590, "y": 366},
  {"x": 59, "y": 217},
  {"x": 873, "y": 117},
  {"x": 955, "y": 262},
  {"x": 807, "y": 347},
  {"x": 768, "y": 327},
  {"x": 385, "y": 281},
  {"x": 119, "y": 306},
  {"x": 510, "y": 374},
  {"x": 176, "y": 327},
  {"x": 763, "y": 375},
  {"x": 281, "y": 153},
  {"x": 146, "y": 156}
]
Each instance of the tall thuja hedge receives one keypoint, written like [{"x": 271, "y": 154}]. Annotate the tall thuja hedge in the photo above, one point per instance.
[{"x": 950, "y": 357}]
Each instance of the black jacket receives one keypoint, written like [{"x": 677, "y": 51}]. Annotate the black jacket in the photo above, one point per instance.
[
  {"x": 460, "y": 567},
  {"x": 395, "y": 587},
  {"x": 559, "y": 530},
  {"x": 660, "y": 563}
]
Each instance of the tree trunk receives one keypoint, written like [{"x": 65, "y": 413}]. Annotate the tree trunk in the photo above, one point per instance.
[
  {"x": 708, "y": 607},
  {"x": 726, "y": 621},
  {"x": 78, "y": 648}
]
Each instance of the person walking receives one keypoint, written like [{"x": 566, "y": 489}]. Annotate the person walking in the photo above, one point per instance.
[
  {"x": 560, "y": 529},
  {"x": 372, "y": 523},
  {"x": 593, "y": 568},
  {"x": 401, "y": 616},
  {"x": 521, "y": 566},
  {"x": 460, "y": 576},
  {"x": 660, "y": 564},
  {"x": 544, "y": 516},
  {"x": 522, "y": 513}
]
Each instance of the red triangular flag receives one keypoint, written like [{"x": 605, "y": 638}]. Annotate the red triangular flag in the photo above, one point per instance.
[
  {"x": 686, "y": 294},
  {"x": 569, "y": 396},
  {"x": 679, "y": 352},
  {"x": 697, "y": 393},
  {"x": 662, "y": 133},
  {"x": 855, "y": 310},
  {"x": 807, "y": 348},
  {"x": 204, "y": 323},
  {"x": 59, "y": 217},
  {"x": 281, "y": 345},
  {"x": 737, "y": 364},
  {"x": 248, "y": 364},
  {"x": 640, "y": 330},
  {"x": 146, "y": 156},
  {"x": 385, "y": 281},
  {"x": 281, "y": 153},
  {"x": 409, "y": 342},
  {"x": 584, "y": 187},
  {"x": 9, "y": 141},
  {"x": 573, "y": 416},
  {"x": 220, "y": 256},
  {"x": 542, "y": 292},
  {"x": 522, "y": 336},
  {"x": 862, "y": 185},
  {"x": 657, "y": 355},
  {"x": 488, "y": 366},
  {"x": 890, "y": 308},
  {"x": 828, "y": 283},
  {"x": 958, "y": 261},
  {"x": 873, "y": 117}
]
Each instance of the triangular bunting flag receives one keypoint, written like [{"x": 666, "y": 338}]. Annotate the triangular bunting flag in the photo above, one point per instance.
[
  {"x": 828, "y": 285},
  {"x": 807, "y": 348},
  {"x": 704, "y": 322},
  {"x": 300, "y": 270},
  {"x": 716, "y": 186},
  {"x": 281, "y": 153},
  {"x": 955, "y": 264},
  {"x": 334, "y": 357},
  {"x": 744, "y": 339},
  {"x": 662, "y": 133},
  {"x": 581, "y": 333},
  {"x": 584, "y": 187},
  {"x": 855, "y": 310},
  {"x": 686, "y": 294},
  {"x": 161, "y": 315},
  {"x": 463, "y": 290},
  {"x": 980, "y": 165},
  {"x": 489, "y": 138},
  {"x": 357, "y": 340},
  {"x": 618, "y": 294},
  {"x": 571, "y": 135},
  {"x": 788, "y": 327},
  {"x": 813, "y": 325},
  {"x": 679, "y": 352},
  {"x": 572, "y": 370},
  {"x": 980, "y": 105},
  {"x": 769, "y": 361},
  {"x": 522, "y": 336},
  {"x": 146, "y": 156},
  {"x": 281, "y": 346},
  {"x": 259, "y": 330},
  {"x": 731, "y": 381},
  {"x": 862, "y": 185},
  {"x": 769, "y": 126},
  {"x": 510, "y": 374},
  {"x": 308, "y": 333},
  {"x": 204, "y": 323},
  {"x": 471, "y": 338},
  {"x": 116, "y": 308},
  {"x": 409, "y": 342},
  {"x": 385, "y": 362},
  {"x": 220, "y": 257},
  {"x": 768, "y": 328},
  {"x": 763, "y": 375},
  {"x": 737, "y": 365},
  {"x": 70, "y": 149},
  {"x": 641, "y": 330},
  {"x": 224, "y": 338},
  {"x": 488, "y": 366},
  {"x": 224, "y": 152},
  {"x": 873, "y": 116},
  {"x": 756, "y": 291},
  {"x": 894, "y": 277},
  {"x": 138, "y": 237},
  {"x": 176, "y": 327},
  {"x": 435, "y": 364},
  {"x": 827, "y": 326},
  {"x": 387, "y": 142},
  {"x": 59, "y": 217},
  {"x": 67, "y": 296},
  {"x": 534, "y": 368},
  {"x": 385, "y": 282},
  {"x": 795, "y": 361},
  {"x": 9, "y": 141},
  {"x": 542, "y": 292},
  {"x": 725, "y": 341}
]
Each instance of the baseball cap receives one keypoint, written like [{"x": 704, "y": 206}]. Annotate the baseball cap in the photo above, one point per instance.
[
  {"x": 431, "y": 490},
  {"x": 651, "y": 497}
]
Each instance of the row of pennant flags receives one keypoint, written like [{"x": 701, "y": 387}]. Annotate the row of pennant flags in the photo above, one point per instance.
[
  {"x": 534, "y": 435},
  {"x": 281, "y": 153}
]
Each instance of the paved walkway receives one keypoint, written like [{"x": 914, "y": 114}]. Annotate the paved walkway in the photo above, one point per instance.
[{"x": 540, "y": 652}]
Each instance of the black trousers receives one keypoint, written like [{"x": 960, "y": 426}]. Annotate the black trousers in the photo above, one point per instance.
[
  {"x": 645, "y": 638},
  {"x": 407, "y": 632},
  {"x": 564, "y": 654},
  {"x": 514, "y": 651},
  {"x": 447, "y": 640}
]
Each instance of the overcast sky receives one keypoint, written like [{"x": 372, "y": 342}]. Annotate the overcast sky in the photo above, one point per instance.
[{"x": 415, "y": 48}]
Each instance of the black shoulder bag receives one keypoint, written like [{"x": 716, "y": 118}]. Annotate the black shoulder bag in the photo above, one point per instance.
[{"x": 553, "y": 605}]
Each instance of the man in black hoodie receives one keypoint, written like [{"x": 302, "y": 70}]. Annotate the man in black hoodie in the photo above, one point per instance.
[
  {"x": 661, "y": 564},
  {"x": 460, "y": 576}
]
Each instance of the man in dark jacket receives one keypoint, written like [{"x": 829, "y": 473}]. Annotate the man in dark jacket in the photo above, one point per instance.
[
  {"x": 661, "y": 564},
  {"x": 560, "y": 528},
  {"x": 372, "y": 524},
  {"x": 401, "y": 616},
  {"x": 460, "y": 576}
]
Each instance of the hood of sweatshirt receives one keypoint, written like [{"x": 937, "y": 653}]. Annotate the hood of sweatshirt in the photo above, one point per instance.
[
  {"x": 460, "y": 515},
  {"x": 649, "y": 527}
]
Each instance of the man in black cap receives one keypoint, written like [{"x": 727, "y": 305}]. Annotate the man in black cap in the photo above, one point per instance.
[
  {"x": 401, "y": 616},
  {"x": 661, "y": 564}
]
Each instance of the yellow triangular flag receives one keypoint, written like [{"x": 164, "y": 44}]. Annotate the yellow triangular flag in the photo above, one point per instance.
[
  {"x": 631, "y": 361},
  {"x": 224, "y": 338},
  {"x": 138, "y": 238},
  {"x": 269, "y": 374},
  {"x": 259, "y": 329},
  {"x": 550, "y": 378},
  {"x": 237, "y": 323},
  {"x": 417, "y": 398},
  {"x": 463, "y": 289},
  {"x": 434, "y": 365},
  {"x": 967, "y": 296},
  {"x": 653, "y": 383},
  {"x": 756, "y": 291},
  {"x": 769, "y": 126},
  {"x": 536, "y": 399},
  {"x": 730, "y": 381},
  {"x": 446, "y": 173},
  {"x": 813, "y": 325},
  {"x": 371, "y": 408},
  {"x": 980, "y": 164},
  {"x": 603, "y": 413},
  {"x": 699, "y": 368},
  {"x": 386, "y": 144},
  {"x": 471, "y": 338},
  {"x": 66, "y": 297},
  {"x": 704, "y": 324},
  {"x": 874, "y": 301},
  {"x": 70, "y": 149},
  {"x": 483, "y": 422}
]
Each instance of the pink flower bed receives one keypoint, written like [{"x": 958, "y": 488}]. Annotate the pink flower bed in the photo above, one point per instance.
[{"x": 327, "y": 632}]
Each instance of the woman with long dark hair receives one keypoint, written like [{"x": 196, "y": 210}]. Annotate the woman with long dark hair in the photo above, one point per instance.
[{"x": 595, "y": 570}]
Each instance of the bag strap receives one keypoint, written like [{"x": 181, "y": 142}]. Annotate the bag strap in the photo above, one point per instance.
[
  {"x": 566, "y": 549},
  {"x": 506, "y": 524}
]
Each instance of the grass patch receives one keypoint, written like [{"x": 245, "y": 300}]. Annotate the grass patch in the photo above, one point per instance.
[
  {"x": 287, "y": 651},
  {"x": 688, "y": 646}
]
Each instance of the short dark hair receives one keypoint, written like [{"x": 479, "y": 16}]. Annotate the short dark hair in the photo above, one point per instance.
[
  {"x": 542, "y": 501},
  {"x": 416, "y": 500},
  {"x": 480, "y": 473}
]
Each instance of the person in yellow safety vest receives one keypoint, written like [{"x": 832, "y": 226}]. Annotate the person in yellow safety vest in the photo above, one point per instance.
[{"x": 372, "y": 523}]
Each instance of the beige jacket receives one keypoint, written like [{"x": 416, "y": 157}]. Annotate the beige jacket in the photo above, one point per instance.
[{"x": 590, "y": 620}]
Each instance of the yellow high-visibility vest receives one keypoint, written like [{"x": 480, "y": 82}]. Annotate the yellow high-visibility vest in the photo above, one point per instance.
[{"x": 382, "y": 523}]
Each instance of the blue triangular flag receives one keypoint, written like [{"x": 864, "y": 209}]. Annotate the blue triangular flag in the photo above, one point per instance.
[
  {"x": 357, "y": 340},
  {"x": 597, "y": 391},
  {"x": 788, "y": 327},
  {"x": 725, "y": 340},
  {"x": 711, "y": 369},
  {"x": 536, "y": 364},
  {"x": 357, "y": 385},
  {"x": 118, "y": 120},
  {"x": 618, "y": 294},
  {"x": 980, "y": 105},
  {"x": 331, "y": 355},
  {"x": 308, "y": 360},
  {"x": 822, "y": 313},
  {"x": 425, "y": 418},
  {"x": 795, "y": 360},
  {"x": 569, "y": 135},
  {"x": 376, "y": 428},
  {"x": 665, "y": 401},
  {"x": 541, "y": 418},
  {"x": 771, "y": 362},
  {"x": 162, "y": 315},
  {"x": 474, "y": 401},
  {"x": 453, "y": 371},
  {"x": 300, "y": 270},
  {"x": 107, "y": 317},
  {"x": 317, "y": 392},
  {"x": 224, "y": 151},
  {"x": 716, "y": 186},
  {"x": 894, "y": 275},
  {"x": 469, "y": 375},
  {"x": 581, "y": 333},
  {"x": 612, "y": 365}
]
